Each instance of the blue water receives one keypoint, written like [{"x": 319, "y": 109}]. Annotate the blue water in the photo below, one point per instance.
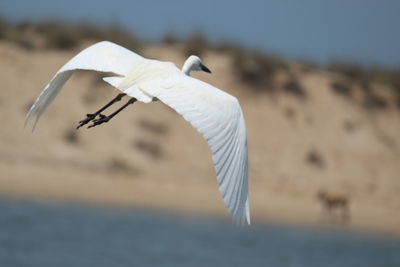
[{"x": 59, "y": 234}]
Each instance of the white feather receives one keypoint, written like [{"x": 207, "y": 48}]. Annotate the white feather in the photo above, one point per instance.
[{"x": 218, "y": 117}]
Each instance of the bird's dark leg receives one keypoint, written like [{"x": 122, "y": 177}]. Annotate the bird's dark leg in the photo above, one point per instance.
[
  {"x": 104, "y": 119},
  {"x": 92, "y": 116}
]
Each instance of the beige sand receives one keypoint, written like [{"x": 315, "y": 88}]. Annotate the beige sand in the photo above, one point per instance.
[{"x": 150, "y": 157}]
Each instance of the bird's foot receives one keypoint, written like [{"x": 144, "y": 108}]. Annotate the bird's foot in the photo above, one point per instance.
[
  {"x": 100, "y": 120},
  {"x": 89, "y": 117}
]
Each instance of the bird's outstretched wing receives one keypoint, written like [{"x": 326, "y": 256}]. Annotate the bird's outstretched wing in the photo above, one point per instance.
[
  {"x": 214, "y": 113},
  {"x": 218, "y": 117},
  {"x": 103, "y": 56}
]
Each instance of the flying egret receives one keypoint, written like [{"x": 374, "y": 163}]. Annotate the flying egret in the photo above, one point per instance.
[{"x": 214, "y": 113}]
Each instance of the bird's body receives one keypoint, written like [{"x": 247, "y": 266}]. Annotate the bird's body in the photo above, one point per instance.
[{"x": 214, "y": 113}]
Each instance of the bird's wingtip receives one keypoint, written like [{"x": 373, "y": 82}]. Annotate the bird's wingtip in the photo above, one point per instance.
[
  {"x": 26, "y": 120},
  {"x": 34, "y": 125},
  {"x": 248, "y": 211}
]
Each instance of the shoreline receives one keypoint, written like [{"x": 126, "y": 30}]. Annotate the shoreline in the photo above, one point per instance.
[{"x": 192, "y": 198}]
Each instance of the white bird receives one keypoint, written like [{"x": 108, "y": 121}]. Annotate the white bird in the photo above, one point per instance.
[{"x": 216, "y": 115}]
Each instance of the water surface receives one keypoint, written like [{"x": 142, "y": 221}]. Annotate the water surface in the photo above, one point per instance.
[{"x": 38, "y": 234}]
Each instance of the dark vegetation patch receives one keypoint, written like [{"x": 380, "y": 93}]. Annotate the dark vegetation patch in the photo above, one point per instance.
[
  {"x": 151, "y": 148},
  {"x": 61, "y": 36},
  {"x": 195, "y": 44},
  {"x": 362, "y": 76},
  {"x": 396, "y": 89},
  {"x": 71, "y": 137},
  {"x": 374, "y": 101},
  {"x": 371, "y": 100},
  {"x": 350, "y": 126},
  {"x": 315, "y": 159},
  {"x": 257, "y": 69},
  {"x": 293, "y": 86},
  {"x": 365, "y": 78},
  {"x": 290, "y": 113},
  {"x": 341, "y": 88},
  {"x": 170, "y": 39},
  {"x": 153, "y": 127},
  {"x": 118, "y": 165}
]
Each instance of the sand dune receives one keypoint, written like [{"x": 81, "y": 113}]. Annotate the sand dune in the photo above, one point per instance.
[{"x": 150, "y": 157}]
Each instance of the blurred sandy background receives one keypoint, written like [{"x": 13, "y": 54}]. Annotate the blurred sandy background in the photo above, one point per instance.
[{"x": 310, "y": 128}]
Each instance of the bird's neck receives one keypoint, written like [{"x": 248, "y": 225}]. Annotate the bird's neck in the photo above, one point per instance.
[{"x": 187, "y": 68}]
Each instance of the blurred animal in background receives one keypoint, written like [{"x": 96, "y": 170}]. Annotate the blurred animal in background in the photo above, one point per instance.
[
  {"x": 332, "y": 202},
  {"x": 214, "y": 113}
]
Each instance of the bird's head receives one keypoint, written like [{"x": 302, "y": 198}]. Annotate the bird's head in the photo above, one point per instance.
[{"x": 193, "y": 63}]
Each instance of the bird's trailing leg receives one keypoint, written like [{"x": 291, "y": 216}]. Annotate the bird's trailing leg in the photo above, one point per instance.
[
  {"x": 92, "y": 116},
  {"x": 104, "y": 118}
]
